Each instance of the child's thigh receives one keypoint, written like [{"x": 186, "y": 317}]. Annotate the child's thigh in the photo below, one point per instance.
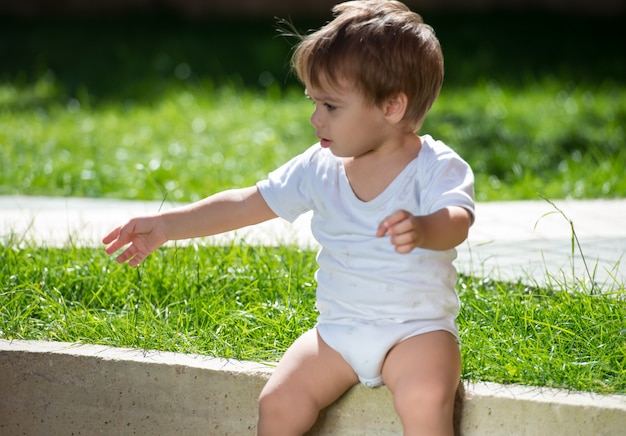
[
  {"x": 430, "y": 361},
  {"x": 311, "y": 369}
]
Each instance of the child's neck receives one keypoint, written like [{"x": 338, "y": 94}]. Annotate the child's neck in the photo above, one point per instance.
[{"x": 371, "y": 173}]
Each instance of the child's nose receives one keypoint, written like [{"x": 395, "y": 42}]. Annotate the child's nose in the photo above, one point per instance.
[{"x": 316, "y": 119}]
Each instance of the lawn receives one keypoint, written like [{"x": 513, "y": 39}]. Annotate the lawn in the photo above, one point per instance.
[
  {"x": 154, "y": 108},
  {"x": 251, "y": 303}
]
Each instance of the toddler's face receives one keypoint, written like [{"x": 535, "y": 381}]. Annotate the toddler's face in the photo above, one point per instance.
[{"x": 344, "y": 121}]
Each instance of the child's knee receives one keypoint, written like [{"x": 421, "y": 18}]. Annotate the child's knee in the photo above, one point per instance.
[
  {"x": 272, "y": 402},
  {"x": 286, "y": 408},
  {"x": 430, "y": 397}
]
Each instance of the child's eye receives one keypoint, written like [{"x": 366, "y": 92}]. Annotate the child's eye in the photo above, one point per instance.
[{"x": 329, "y": 107}]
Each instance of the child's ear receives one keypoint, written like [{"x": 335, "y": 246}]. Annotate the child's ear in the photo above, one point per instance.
[{"x": 395, "y": 108}]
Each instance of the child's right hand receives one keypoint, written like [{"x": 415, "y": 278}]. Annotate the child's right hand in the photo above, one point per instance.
[{"x": 144, "y": 234}]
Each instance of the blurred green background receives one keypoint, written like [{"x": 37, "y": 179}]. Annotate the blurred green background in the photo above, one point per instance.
[
  {"x": 137, "y": 57},
  {"x": 149, "y": 106}
]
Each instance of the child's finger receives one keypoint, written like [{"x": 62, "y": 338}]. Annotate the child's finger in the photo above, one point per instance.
[
  {"x": 403, "y": 249},
  {"x": 382, "y": 230},
  {"x": 129, "y": 254},
  {"x": 115, "y": 246},
  {"x": 110, "y": 237},
  {"x": 116, "y": 240},
  {"x": 390, "y": 222}
]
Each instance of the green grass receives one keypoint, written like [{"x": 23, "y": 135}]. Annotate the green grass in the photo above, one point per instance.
[
  {"x": 543, "y": 337},
  {"x": 548, "y": 140},
  {"x": 552, "y": 140},
  {"x": 251, "y": 303},
  {"x": 186, "y": 145},
  {"x": 544, "y": 141},
  {"x": 241, "y": 302}
]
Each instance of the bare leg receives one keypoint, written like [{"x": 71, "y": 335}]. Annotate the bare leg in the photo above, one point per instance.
[
  {"x": 309, "y": 377},
  {"x": 423, "y": 373}
]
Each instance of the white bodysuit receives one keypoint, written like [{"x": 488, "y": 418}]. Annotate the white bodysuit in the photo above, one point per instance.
[{"x": 370, "y": 297}]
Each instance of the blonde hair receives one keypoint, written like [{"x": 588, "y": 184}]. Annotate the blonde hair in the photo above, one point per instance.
[{"x": 380, "y": 47}]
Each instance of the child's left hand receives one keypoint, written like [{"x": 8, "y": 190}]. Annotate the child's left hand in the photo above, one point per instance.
[{"x": 404, "y": 230}]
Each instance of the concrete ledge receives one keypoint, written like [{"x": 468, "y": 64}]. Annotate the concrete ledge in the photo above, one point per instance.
[{"x": 62, "y": 388}]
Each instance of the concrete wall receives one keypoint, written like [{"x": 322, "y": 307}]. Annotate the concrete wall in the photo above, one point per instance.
[{"x": 50, "y": 388}]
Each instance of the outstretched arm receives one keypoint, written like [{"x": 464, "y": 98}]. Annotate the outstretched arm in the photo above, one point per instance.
[
  {"x": 442, "y": 230},
  {"x": 222, "y": 212}
]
